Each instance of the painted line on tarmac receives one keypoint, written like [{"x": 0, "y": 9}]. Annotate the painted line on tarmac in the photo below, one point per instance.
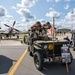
[{"x": 17, "y": 63}]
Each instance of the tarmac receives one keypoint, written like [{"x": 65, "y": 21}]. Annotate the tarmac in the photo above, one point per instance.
[
  {"x": 10, "y": 43},
  {"x": 62, "y": 36}
]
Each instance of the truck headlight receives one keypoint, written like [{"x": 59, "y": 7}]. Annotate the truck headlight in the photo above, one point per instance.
[{"x": 45, "y": 46}]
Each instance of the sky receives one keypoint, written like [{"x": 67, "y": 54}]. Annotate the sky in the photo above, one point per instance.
[{"x": 28, "y": 12}]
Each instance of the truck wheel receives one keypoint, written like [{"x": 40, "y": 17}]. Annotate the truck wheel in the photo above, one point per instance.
[{"x": 38, "y": 60}]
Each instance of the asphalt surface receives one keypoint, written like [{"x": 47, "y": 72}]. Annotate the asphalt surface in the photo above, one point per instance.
[
  {"x": 9, "y": 55},
  {"x": 27, "y": 67},
  {"x": 10, "y": 43}
]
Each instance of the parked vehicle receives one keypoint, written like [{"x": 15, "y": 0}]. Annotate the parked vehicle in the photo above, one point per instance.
[{"x": 49, "y": 49}]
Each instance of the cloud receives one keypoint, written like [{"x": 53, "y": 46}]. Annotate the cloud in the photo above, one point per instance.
[
  {"x": 3, "y": 11},
  {"x": 51, "y": 9},
  {"x": 67, "y": 0},
  {"x": 67, "y": 6},
  {"x": 22, "y": 9},
  {"x": 74, "y": 10},
  {"x": 49, "y": 0},
  {"x": 53, "y": 14},
  {"x": 9, "y": 16},
  {"x": 26, "y": 14},
  {"x": 13, "y": 7},
  {"x": 69, "y": 20},
  {"x": 41, "y": 20},
  {"x": 27, "y": 3},
  {"x": 63, "y": 23},
  {"x": 70, "y": 15},
  {"x": 57, "y": 0},
  {"x": 53, "y": 0}
]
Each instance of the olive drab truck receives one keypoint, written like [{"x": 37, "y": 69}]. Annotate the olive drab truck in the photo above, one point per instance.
[{"x": 49, "y": 49}]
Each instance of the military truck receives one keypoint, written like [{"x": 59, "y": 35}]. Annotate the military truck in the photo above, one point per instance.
[{"x": 49, "y": 49}]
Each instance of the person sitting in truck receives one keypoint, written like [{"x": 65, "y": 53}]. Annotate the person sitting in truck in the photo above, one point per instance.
[
  {"x": 40, "y": 34},
  {"x": 34, "y": 36}
]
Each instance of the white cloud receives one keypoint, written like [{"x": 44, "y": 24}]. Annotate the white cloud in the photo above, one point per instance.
[
  {"x": 67, "y": 0},
  {"x": 53, "y": 0},
  {"x": 70, "y": 15},
  {"x": 23, "y": 10},
  {"x": 57, "y": 0},
  {"x": 27, "y": 3},
  {"x": 49, "y": 0},
  {"x": 67, "y": 22},
  {"x": 53, "y": 14},
  {"x": 13, "y": 7},
  {"x": 64, "y": 24},
  {"x": 70, "y": 20},
  {"x": 51, "y": 9},
  {"x": 67, "y": 6},
  {"x": 9, "y": 16},
  {"x": 42, "y": 21},
  {"x": 26, "y": 14},
  {"x": 74, "y": 10},
  {"x": 3, "y": 11}
]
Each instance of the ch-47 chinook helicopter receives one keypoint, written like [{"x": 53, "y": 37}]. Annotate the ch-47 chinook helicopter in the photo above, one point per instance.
[{"x": 11, "y": 31}]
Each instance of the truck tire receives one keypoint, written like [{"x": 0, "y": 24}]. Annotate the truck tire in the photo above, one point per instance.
[{"x": 38, "y": 60}]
